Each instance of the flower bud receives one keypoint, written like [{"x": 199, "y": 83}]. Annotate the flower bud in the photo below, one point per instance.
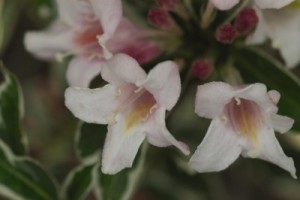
[
  {"x": 202, "y": 68},
  {"x": 160, "y": 18},
  {"x": 226, "y": 34},
  {"x": 246, "y": 20}
]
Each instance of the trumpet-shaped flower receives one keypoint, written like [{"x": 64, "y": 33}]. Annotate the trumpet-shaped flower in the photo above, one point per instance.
[
  {"x": 90, "y": 30},
  {"x": 243, "y": 122},
  {"x": 132, "y": 104},
  {"x": 283, "y": 28},
  {"x": 263, "y": 4}
]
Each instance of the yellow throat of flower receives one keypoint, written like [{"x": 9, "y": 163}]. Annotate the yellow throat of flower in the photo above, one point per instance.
[
  {"x": 294, "y": 5},
  {"x": 245, "y": 119},
  {"x": 140, "y": 111}
]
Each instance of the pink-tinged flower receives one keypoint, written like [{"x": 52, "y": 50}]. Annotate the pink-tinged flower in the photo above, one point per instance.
[
  {"x": 132, "y": 104},
  {"x": 91, "y": 30},
  {"x": 263, "y": 4},
  {"x": 243, "y": 122}
]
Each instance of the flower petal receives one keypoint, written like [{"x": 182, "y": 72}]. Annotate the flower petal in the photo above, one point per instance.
[
  {"x": 92, "y": 105},
  {"x": 82, "y": 70},
  {"x": 163, "y": 82},
  {"x": 282, "y": 27},
  {"x": 122, "y": 69},
  {"x": 69, "y": 11},
  {"x": 142, "y": 50},
  {"x": 158, "y": 135},
  {"x": 263, "y": 4},
  {"x": 120, "y": 148},
  {"x": 258, "y": 93},
  {"x": 133, "y": 41},
  {"x": 211, "y": 99},
  {"x": 219, "y": 148},
  {"x": 125, "y": 34},
  {"x": 46, "y": 44},
  {"x": 224, "y": 4},
  {"x": 274, "y": 95},
  {"x": 284, "y": 30},
  {"x": 281, "y": 123},
  {"x": 270, "y": 150},
  {"x": 109, "y": 14}
]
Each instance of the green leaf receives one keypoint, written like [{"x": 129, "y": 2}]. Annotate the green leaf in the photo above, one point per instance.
[
  {"x": 78, "y": 184},
  {"x": 22, "y": 178},
  {"x": 11, "y": 113},
  {"x": 257, "y": 66},
  {"x": 89, "y": 140},
  {"x": 121, "y": 185}
]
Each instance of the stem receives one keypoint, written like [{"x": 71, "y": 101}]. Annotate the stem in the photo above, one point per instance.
[
  {"x": 236, "y": 11},
  {"x": 189, "y": 8},
  {"x": 186, "y": 80},
  {"x": 231, "y": 75},
  {"x": 207, "y": 16}
]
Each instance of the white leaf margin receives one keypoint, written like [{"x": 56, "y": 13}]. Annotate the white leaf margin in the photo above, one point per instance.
[
  {"x": 8, "y": 80},
  {"x": 71, "y": 175},
  {"x": 12, "y": 159}
]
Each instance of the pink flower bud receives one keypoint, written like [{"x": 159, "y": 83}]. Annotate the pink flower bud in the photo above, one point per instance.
[
  {"x": 160, "y": 18},
  {"x": 246, "y": 20},
  {"x": 226, "y": 34},
  {"x": 202, "y": 68},
  {"x": 167, "y": 4}
]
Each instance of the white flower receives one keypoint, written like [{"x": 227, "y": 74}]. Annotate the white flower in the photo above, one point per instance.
[
  {"x": 243, "y": 122},
  {"x": 90, "y": 31},
  {"x": 263, "y": 4},
  {"x": 132, "y": 104},
  {"x": 283, "y": 28}
]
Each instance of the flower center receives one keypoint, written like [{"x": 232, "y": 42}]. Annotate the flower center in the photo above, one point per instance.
[
  {"x": 245, "y": 118},
  {"x": 139, "y": 110},
  {"x": 87, "y": 38},
  {"x": 135, "y": 108}
]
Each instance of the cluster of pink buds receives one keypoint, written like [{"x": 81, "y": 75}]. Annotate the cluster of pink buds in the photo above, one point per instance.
[{"x": 245, "y": 22}]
